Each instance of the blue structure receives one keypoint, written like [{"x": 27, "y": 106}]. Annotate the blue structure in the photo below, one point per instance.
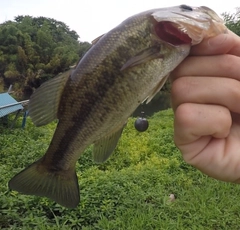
[
  {"x": 8, "y": 104},
  {"x": 24, "y": 119}
]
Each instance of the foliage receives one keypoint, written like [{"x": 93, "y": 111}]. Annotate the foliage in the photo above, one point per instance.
[
  {"x": 233, "y": 21},
  {"x": 32, "y": 50},
  {"x": 130, "y": 191}
]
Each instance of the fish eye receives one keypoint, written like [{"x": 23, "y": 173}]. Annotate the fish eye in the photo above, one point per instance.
[{"x": 186, "y": 7}]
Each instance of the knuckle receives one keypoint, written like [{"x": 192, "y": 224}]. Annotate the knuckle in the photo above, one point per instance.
[
  {"x": 227, "y": 63},
  {"x": 183, "y": 114}
]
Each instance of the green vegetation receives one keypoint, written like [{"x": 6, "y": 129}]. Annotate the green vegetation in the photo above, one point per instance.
[
  {"x": 233, "y": 21},
  {"x": 130, "y": 191},
  {"x": 33, "y": 50}
]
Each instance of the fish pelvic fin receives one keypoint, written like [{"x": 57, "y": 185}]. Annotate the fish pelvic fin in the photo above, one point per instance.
[
  {"x": 104, "y": 147},
  {"x": 60, "y": 186},
  {"x": 44, "y": 103}
]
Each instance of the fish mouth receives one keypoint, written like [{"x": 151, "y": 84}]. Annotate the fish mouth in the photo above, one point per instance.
[
  {"x": 188, "y": 27},
  {"x": 171, "y": 33}
]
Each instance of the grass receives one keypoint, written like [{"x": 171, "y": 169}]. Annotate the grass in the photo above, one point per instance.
[{"x": 129, "y": 191}]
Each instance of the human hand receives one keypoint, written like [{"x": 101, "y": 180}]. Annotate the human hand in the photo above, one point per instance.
[{"x": 206, "y": 103}]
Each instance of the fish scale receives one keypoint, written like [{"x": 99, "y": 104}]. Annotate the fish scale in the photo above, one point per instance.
[{"x": 92, "y": 103}]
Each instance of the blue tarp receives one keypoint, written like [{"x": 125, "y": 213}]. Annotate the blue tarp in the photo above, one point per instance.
[{"x": 8, "y": 104}]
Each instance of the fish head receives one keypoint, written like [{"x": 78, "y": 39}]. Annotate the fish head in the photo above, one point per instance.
[{"x": 187, "y": 25}]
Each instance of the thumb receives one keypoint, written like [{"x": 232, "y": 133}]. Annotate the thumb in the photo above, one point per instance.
[{"x": 220, "y": 44}]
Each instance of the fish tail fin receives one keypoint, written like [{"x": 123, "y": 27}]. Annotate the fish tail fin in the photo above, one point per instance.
[{"x": 60, "y": 186}]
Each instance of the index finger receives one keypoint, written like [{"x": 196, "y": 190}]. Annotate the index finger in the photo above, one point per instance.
[{"x": 221, "y": 44}]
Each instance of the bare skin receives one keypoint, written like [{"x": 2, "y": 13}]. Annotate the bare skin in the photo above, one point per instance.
[{"x": 206, "y": 103}]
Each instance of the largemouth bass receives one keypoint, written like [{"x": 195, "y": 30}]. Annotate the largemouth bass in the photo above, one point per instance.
[{"x": 92, "y": 103}]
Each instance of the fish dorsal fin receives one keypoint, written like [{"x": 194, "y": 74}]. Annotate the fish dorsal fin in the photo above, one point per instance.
[
  {"x": 104, "y": 147},
  {"x": 156, "y": 89},
  {"x": 143, "y": 57},
  {"x": 44, "y": 103},
  {"x": 97, "y": 39}
]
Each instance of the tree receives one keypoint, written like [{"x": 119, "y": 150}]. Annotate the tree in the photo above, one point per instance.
[
  {"x": 32, "y": 50},
  {"x": 233, "y": 21}
]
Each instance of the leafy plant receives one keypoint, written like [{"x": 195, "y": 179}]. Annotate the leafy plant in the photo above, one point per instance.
[
  {"x": 130, "y": 191},
  {"x": 35, "y": 49}
]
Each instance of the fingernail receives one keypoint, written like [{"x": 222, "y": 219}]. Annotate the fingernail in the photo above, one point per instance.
[{"x": 218, "y": 40}]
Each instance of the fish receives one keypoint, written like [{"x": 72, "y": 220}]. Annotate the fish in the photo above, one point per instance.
[{"x": 92, "y": 102}]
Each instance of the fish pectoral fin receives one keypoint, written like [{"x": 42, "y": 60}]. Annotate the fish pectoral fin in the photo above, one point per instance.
[
  {"x": 44, "y": 103},
  {"x": 60, "y": 186},
  {"x": 104, "y": 147},
  {"x": 143, "y": 57},
  {"x": 156, "y": 89}
]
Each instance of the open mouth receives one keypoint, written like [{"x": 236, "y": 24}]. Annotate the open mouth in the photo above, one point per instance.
[{"x": 170, "y": 33}]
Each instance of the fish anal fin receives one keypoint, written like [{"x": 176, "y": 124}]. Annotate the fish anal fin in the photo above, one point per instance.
[
  {"x": 156, "y": 89},
  {"x": 44, "y": 103},
  {"x": 104, "y": 147},
  {"x": 60, "y": 186},
  {"x": 143, "y": 57}
]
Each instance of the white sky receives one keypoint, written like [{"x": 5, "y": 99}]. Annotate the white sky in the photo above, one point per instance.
[{"x": 91, "y": 18}]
